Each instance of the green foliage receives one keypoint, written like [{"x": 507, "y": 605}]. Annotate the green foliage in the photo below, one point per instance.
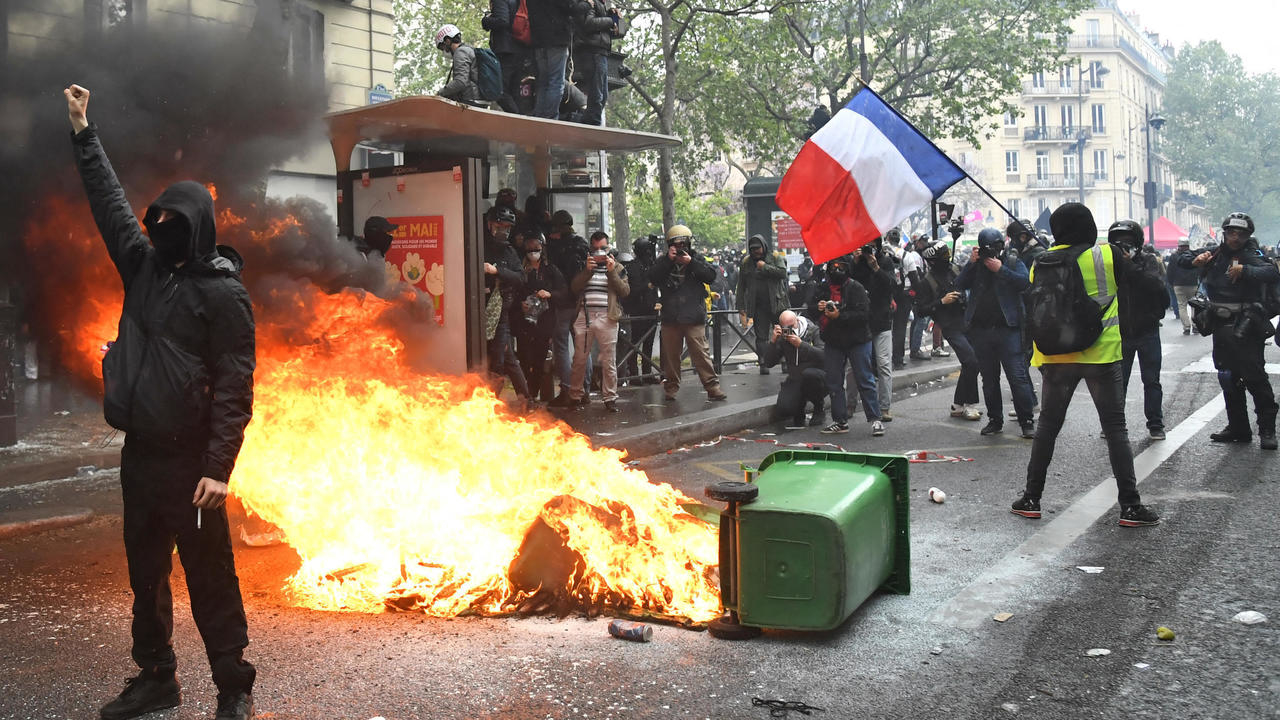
[
  {"x": 1223, "y": 132},
  {"x": 717, "y": 220},
  {"x": 421, "y": 69}
]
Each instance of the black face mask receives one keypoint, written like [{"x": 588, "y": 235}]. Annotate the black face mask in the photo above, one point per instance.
[
  {"x": 172, "y": 241},
  {"x": 838, "y": 276}
]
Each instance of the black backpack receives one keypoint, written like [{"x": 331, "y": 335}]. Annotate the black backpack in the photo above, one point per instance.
[{"x": 1061, "y": 315}]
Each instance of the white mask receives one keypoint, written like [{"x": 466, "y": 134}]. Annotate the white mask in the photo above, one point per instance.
[{"x": 536, "y": 254}]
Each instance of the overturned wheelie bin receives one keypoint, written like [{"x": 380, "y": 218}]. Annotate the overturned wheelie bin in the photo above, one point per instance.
[{"x": 808, "y": 538}]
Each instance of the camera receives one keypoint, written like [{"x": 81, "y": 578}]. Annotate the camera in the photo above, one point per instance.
[
  {"x": 988, "y": 251},
  {"x": 788, "y": 331},
  {"x": 534, "y": 307},
  {"x": 956, "y": 228},
  {"x": 868, "y": 249}
]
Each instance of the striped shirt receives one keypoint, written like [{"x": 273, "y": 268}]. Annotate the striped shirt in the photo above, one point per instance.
[{"x": 596, "y": 294}]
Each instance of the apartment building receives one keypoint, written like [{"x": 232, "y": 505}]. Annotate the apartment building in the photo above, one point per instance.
[
  {"x": 348, "y": 41},
  {"x": 1082, "y": 132}
]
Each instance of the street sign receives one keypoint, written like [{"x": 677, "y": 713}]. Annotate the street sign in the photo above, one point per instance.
[{"x": 379, "y": 93}]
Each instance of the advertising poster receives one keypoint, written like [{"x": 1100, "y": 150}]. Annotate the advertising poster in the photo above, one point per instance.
[
  {"x": 416, "y": 257},
  {"x": 787, "y": 232}
]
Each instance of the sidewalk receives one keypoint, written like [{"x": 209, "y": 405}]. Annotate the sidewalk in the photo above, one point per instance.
[{"x": 61, "y": 444}]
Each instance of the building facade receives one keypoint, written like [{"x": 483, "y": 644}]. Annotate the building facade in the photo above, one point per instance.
[
  {"x": 350, "y": 42},
  {"x": 1082, "y": 132}
]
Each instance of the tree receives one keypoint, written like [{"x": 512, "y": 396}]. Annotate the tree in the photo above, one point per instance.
[
  {"x": 420, "y": 69},
  {"x": 1223, "y": 131},
  {"x": 717, "y": 222}
]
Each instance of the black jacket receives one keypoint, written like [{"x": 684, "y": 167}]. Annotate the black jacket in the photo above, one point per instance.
[
  {"x": 551, "y": 22},
  {"x": 1142, "y": 297},
  {"x": 1180, "y": 275},
  {"x": 180, "y": 372},
  {"x": 544, "y": 277},
  {"x": 510, "y": 275},
  {"x": 879, "y": 287},
  {"x": 683, "y": 290},
  {"x": 1259, "y": 272},
  {"x": 933, "y": 284},
  {"x": 851, "y": 327},
  {"x": 643, "y": 295},
  {"x": 498, "y": 22},
  {"x": 795, "y": 360},
  {"x": 595, "y": 27}
]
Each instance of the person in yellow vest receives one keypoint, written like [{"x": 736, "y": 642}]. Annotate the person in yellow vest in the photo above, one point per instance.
[{"x": 1099, "y": 365}]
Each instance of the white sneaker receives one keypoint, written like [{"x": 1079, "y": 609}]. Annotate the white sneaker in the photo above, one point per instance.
[
  {"x": 877, "y": 428},
  {"x": 958, "y": 411},
  {"x": 972, "y": 413}
]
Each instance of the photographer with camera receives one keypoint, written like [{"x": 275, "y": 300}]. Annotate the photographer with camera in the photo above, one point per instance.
[
  {"x": 993, "y": 326},
  {"x": 1143, "y": 300},
  {"x": 872, "y": 268},
  {"x": 791, "y": 342},
  {"x": 842, "y": 308},
  {"x": 600, "y": 287},
  {"x": 534, "y": 321},
  {"x": 938, "y": 295},
  {"x": 1239, "y": 284},
  {"x": 567, "y": 250},
  {"x": 682, "y": 276}
]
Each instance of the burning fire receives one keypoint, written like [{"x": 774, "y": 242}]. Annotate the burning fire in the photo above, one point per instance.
[{"x": 409, "y": 491}]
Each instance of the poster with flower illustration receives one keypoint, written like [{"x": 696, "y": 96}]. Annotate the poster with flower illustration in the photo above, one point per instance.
[{"x": 416, "y": 257}]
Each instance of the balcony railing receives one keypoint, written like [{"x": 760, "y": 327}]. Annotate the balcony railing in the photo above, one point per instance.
[
  {"x": 1054, "y": 87},
  {"x": 1189, "y": 198},
  {"x": 1057, "y": 182},
  {"x": 1055, "y": 133}
]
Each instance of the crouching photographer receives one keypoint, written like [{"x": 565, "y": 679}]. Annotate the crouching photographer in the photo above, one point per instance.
[
  {"x": 1238, "y": 283},
  {"x": 792, "y": 344}
]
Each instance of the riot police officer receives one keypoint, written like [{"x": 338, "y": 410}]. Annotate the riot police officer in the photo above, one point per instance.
[{"x": 1237, "y": 278}]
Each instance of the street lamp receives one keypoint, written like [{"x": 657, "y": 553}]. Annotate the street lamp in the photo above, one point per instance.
[
  {"x": 1115, "y": 205},
  {"x": 1097, "y": 72},
  {"x": 1153, "y": 122}
]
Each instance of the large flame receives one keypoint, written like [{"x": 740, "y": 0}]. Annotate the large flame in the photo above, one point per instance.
[{"x": 403, "y": 490}]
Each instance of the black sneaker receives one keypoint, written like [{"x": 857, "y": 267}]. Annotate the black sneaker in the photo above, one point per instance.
[
  {"x": 1028, "y": 430},
  {"x": 992, "y": 427},
  {"x": 611, "y": 406},
  {"x": 1268, "y": 441},
  {"x": 818, "y": 418},
  {"x": 835, "y": 428},
  {"x": 1027, "y": 507},
  {"x": 143, "y": 694},
  {"x": 1156, "y": 433},
  {"x": 1138, "y": 516},
  {"x": 1231, "y": 435},
  {"x": 237, "y": 706}
]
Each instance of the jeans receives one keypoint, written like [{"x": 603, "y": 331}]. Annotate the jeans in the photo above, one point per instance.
[
  {"x": 997, "y": 347},
  {"x": 859, "y": 355},
  {"x": 1147, "y": 348},
  {"x": 882, "y": 350},
  {"x": 551, "y": 63},
  {"x": 901, "y": 319},
  {"x": 597, "y": 89},
  {"x": 594, "y": 324},
  {"x": 1106, "y": 387},
  {"x": 503, "y": 361},
  {"x": 917, "y": 331}
]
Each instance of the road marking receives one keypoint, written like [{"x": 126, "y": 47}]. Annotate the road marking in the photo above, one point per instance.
[
  {"x": 975, "y": 604},
  {"x": 1205, "y": 365}
]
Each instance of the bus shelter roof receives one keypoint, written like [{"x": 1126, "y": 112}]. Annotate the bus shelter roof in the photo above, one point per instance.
[{"x": 426, "y": 123}]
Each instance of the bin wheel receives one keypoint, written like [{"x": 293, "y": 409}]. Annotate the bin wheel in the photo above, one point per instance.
[
  {"x": 733, "y": 491},
  {"x": 727, "y": 627}
]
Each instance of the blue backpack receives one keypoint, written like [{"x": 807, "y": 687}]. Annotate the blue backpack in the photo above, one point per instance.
[{"x": 488, "y": 74}]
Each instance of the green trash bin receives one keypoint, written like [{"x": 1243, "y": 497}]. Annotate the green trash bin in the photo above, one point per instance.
[{"x": 812, "y": 537}]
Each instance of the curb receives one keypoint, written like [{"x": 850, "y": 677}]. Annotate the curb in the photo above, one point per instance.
[
  {"x": 34, "y": 520},
  {"x": 23, "y": 473},
  {"x": 659, "y": 437}
]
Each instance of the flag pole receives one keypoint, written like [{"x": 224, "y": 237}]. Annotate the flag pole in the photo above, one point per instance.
[{"x": 927, "y": 139}]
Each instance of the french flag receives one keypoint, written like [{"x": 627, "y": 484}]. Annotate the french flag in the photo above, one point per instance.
[{"x": 864, "y": 172}]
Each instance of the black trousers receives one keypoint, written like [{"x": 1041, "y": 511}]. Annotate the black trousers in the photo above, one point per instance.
[
  {"x": 1106, "y": 387},
  {"x": 1242, "y": 367},
  {"x": 795, "y": 392},
  {"x": 158, "y": 485},
  {"x": 901, "y": 313},
  {"x": 640, "y": 337}
]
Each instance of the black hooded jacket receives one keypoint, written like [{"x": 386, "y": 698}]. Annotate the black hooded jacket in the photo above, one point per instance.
[
  {"x": 1259, "y": 272},
  {"x": 179, "y": 376}
]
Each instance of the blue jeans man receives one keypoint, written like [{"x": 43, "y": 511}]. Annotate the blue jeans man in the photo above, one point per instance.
[
  {"x": 859, "y": 356},
  {"x": 1147, "y": 350},
  {"x": 597, "y": 89},
  {"x": 550, "y": 62}
]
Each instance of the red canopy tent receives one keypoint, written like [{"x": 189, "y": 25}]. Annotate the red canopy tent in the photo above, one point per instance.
[{"x": 1165, "y": 235}]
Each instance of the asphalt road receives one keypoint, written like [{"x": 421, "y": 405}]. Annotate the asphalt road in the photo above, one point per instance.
[{"x": 64, "y": 606}]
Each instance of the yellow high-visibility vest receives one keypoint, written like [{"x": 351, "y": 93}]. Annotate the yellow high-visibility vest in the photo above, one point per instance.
[{"x": 1098, "y": 267}]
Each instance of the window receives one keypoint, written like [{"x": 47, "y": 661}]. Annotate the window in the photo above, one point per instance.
[
  {"x": 1042, "y": 204},
  {"x": 1042, "y": 164},
  {"x": 1099, "y": 164},
  {"x": 1037, "y": 80},
  {"x": 1092, "y": 33},
  {"x": 1010, "y": 120},
  {"x": 305, "y": 53},
  {"x": 1068, "y": 116},
  {"x": 1011, "y": 161},
  {"x": 1015, "y": 207},
  {"x": 1041, "y": 116},
  {"x": 1095, "y": 75},
  {"x": 1064, "y": 76},
  {"x": 1069, "y": 165},
  {"x": 1099, "y": 124}
]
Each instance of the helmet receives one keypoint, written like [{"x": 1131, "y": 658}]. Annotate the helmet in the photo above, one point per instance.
[
  {"x": 678, "y": 232},
  {"x": 990, "y": 237},
  {"x": 502, "y": 214},
  {"x": 1018, "y": 228},
  {"x": 939, "y": 251},
  {"x": 447, "y": 32},
  {"x": 625, "y": 257},
  {"x": 1238, "y": 221},
  {"x": 1125, "y": 232}
]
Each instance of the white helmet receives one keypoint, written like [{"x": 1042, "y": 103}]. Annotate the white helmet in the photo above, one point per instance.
[{"x": 446, "y": 32}]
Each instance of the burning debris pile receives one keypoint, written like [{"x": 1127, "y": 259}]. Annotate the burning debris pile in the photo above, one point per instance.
[{"x": 397, "y": 489}]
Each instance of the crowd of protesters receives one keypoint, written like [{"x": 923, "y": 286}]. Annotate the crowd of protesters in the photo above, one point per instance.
[{"x": 546, "y": 58}]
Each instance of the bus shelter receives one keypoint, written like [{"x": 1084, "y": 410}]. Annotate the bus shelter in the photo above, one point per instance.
[{"x": 453, "y": 159}]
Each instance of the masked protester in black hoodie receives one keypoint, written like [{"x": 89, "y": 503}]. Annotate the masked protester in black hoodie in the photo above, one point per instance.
[
  {"x": 178, "y": 380},
  {"x": 1241, "y": 288}
]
